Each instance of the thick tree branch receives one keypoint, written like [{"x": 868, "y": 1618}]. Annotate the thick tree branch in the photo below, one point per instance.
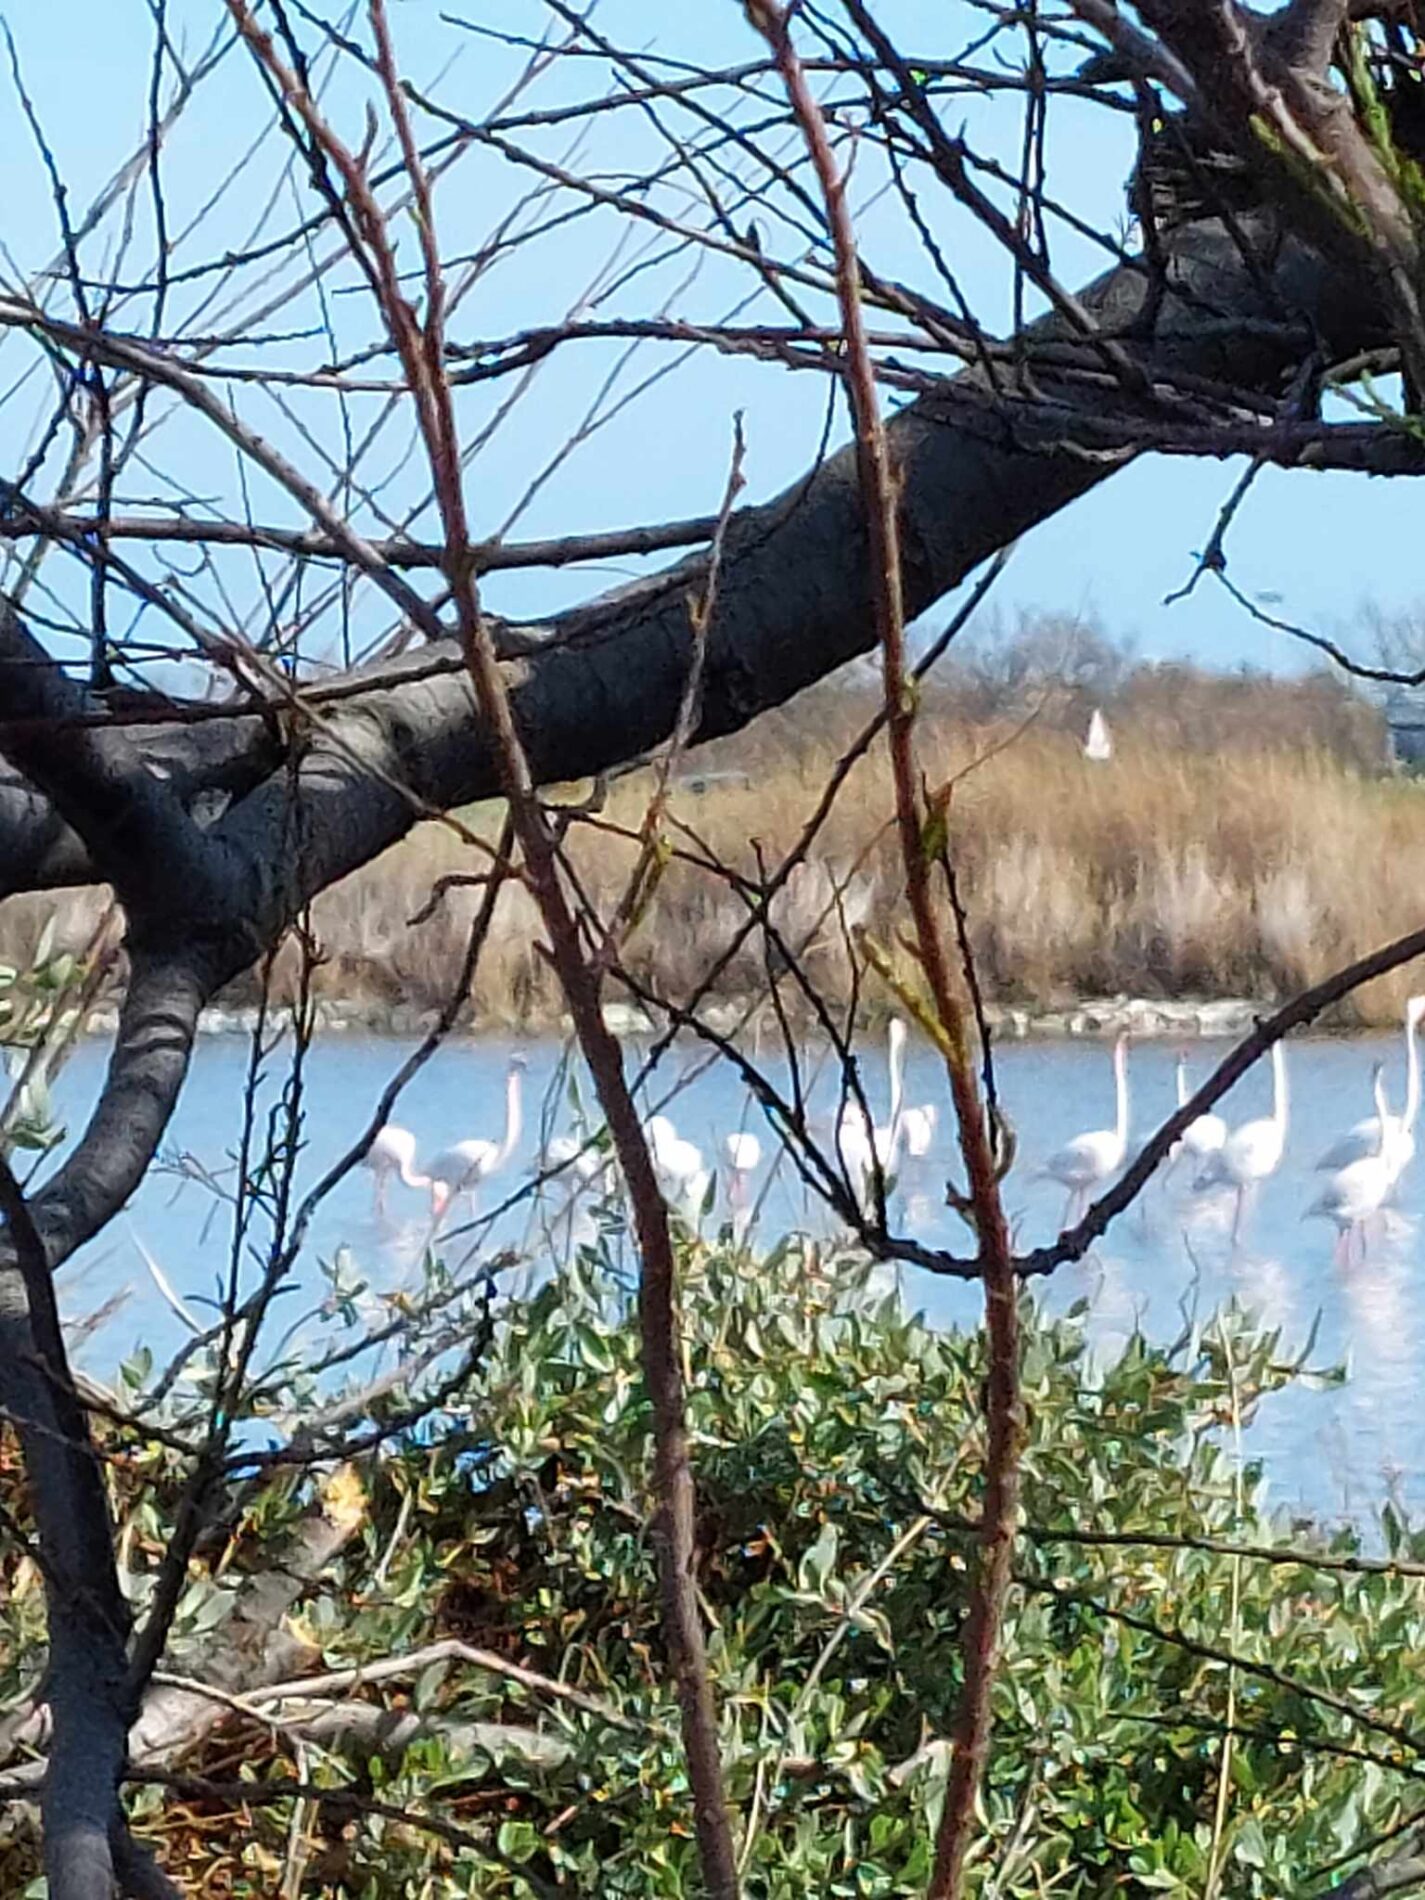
[
  {"x": 88, "y": 1618},
  {"x": 1135, "y": 55},
  {"x": 157, "y": 1024},
  {"x": 1400, "y": 1872},
  {"x": 179, "y": 888},
  {"x": 124, "y": 809},
  {"x": 204, "y": 760},
  {"x": 189, "y": 899},
  {"x": 794, "y": 604},
  {"x": 1306, "y": 32},
  {"x": 86, "y": 1687},
  {"x": 1266, "y": 82}
]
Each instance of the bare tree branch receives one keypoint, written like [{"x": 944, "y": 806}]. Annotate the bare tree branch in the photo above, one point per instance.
[
  {"x": 420, "y": 344},
  {"x": 1400, "y": 1872},
  {"x": 88, "y": 1618},
  {"x": 605, "y": 681},
  {"x": 947, "y": 1012},
  {"x": 125, "y": 811}
]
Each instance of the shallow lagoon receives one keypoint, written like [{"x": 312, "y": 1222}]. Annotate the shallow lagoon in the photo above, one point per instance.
[{"x": 1332, "y": 1450}]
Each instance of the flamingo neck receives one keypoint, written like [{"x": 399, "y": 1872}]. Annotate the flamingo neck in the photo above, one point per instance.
[
  {"x": 1383, "y": 1114},
  {"x": 411, "y": 1175},
  {"x": 897, "y": 1069},
  {"x": 1182, "y": 1083},
  {"x": 1120, "y": 1083},
  {"x": 513, "y": 1120},
  {"x": 1412, "y": 1075},
  {"x": 1279, "y": 1091}
]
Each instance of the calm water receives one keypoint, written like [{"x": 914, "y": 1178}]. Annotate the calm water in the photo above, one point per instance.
[{"x": 1331, "y": 1450}]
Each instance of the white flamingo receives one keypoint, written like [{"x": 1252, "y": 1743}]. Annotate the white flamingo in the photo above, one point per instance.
[
  {"x": 918, "y": 1120},
  {"x": 1089, "y": 1159},
  {"x": 918, "y": 1127},
  {"x": 574, "y": 1156},
  {"x": 742, "y": 1157},
  {"x": 860, "y": 1144},
  {"x": 392, "y": 1152},
  {"x": 1384, "y": 1133},
  {"x": 1205, "y": 1135},
  {"x": 1254, "y": 1150},
  {"x": 461, "y": 1168},
  {"x": 575, "y": 1166},
  {"x": 1354, "y": 1194},
  {"x": 683, "y": 1173}
]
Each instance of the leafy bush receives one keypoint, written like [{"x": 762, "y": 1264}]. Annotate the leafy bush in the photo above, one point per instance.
[{"x": 837, "y": 1445}]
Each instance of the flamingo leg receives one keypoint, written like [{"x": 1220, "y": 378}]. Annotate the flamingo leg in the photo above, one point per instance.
[{"x": 1237, "y": 1214}]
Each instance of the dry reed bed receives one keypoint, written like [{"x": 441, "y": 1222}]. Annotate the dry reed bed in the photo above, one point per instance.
[{"x": 1163, "y": 872}]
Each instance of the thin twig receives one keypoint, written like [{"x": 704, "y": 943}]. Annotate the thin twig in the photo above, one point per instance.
[
  {"x": 879, "y": 499},
  {"x": 420, "y": 348},
  {"x": 258, "y": 1703},
  {"x": 1217, "y": 1851}
]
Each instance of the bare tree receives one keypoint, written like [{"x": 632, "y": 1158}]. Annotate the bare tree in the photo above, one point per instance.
[{"x": 220, "y": 708}]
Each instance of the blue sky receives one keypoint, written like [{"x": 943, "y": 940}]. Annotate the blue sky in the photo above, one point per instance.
[{"x": 1320, "y": 548}]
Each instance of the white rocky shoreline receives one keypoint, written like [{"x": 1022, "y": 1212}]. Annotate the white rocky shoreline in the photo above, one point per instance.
[{"x": 1184, "y": 1018}]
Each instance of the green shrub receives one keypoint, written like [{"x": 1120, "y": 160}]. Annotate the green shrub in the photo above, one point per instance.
[{"x": 838, "y": 1449}]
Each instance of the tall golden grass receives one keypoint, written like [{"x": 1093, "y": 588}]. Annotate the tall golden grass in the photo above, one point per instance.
[{"x": 1169, "y": 870}]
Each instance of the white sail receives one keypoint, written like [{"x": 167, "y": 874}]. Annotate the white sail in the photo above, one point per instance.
[{"x": 1099, "y": 744}]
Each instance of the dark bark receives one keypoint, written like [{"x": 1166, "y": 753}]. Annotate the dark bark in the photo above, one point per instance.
[
  {"x": 88, "y": 1619},
  {"x": 157, "y": 1024},
  {"x": 604, "y": 682},
  {"x": 86, "y": 1684},
  {"x": 119, "y": 803},
  {"x": 174, "y": 881},
  {"x": 1400, "y": 1872},
  {"x": 206, "y": 763}
]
